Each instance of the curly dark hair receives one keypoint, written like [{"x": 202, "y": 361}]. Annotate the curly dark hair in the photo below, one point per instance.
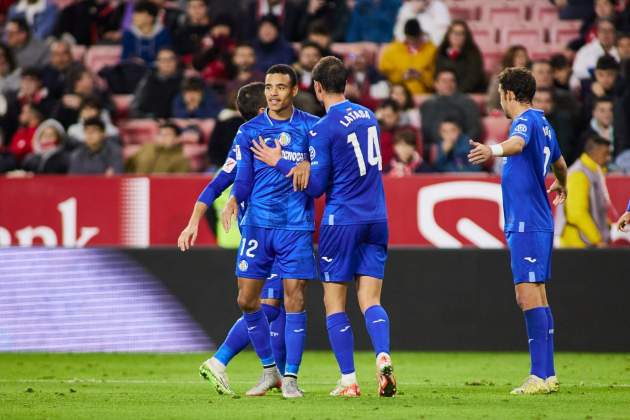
[
  {"x": 508, "y": 57},
  {"x": 519, "y": 81}
]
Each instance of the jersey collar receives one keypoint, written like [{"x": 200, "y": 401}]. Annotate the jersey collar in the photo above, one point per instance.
[
  {"x": 337, "y": 104},
  {"x": 290, "y": 120},
  {"x": 527, "y": 110}
]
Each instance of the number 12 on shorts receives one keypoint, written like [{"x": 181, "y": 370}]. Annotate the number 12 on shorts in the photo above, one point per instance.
[
  {"x": 374, "y": 150},
  {"x": 251, "y": 247}
]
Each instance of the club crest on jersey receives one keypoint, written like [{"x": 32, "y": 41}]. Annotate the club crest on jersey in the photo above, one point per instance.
[
  {"x": 243, "y": 265},
  {"x": 284, "y": 139},
  {"x": 311, "y": 152},
  {"x": 521, "y": 128}
]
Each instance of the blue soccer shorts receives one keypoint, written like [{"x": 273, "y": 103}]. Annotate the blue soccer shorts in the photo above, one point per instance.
[
  {"x": 291, "y": 250},
  {"x": 530, "y": 254},
  {"x": 273, "y": 289},
  {"x": 346, "y": 251}
]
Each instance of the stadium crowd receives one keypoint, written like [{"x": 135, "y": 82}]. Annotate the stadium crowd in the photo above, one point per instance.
[{"x": 107, "y": 87}]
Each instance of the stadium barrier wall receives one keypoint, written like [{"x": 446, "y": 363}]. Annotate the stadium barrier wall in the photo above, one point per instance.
[
  {"x": 445, "y": 211},
  {"x": 436, "y": 299}
]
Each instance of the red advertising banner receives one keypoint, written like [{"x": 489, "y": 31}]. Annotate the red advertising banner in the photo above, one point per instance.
[{"x": 448, "y": 211}]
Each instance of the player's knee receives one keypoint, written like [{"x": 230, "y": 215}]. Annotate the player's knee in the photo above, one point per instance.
[
  {"x": 246, "y": 303},
  {"x": 294, "y": 302},
  {"x": 525, "y": 301}
]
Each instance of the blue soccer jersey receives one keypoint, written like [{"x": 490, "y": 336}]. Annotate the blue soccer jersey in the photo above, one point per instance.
[
  {"x": 525, "y": 203},
  {"x": 272, "y": 203},
  {"x": 346, "y": 163}
]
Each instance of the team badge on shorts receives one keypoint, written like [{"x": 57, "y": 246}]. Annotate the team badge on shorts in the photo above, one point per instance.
[
  {"x": 243, "y": 265},
  {"x": 284, "y": 139}
]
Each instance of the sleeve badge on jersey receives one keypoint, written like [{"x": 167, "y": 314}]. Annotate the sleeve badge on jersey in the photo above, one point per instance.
[
  {"x": 237, "y": 149},
  {"x": 311, "y": 153},
  {"x": 229, "y": 165},
  {"x": 521, "y": 128}
]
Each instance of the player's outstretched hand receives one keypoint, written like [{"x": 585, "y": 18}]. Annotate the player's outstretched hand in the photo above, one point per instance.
[
  {"x": 300, "y": 173},
  {"x": 229, "y": 213},
  {"x": 187, "y": 238},
  {"x": 561, "y": 193},
  {"x": 623, "y": 221},
  {"x": 479, "y": 153},
  {"x": 264, "y": 153}
]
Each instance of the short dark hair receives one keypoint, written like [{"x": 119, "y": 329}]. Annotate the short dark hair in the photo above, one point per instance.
[
  {"x": 412, "y": 28},
  {"x": 311, "y": 44},
  {"x": 559, "y": 61},
  {"x": 601, "y": 20},
  {"x": 94, "y": 122},
  {"x": 91, "y": 102},
  {"x": 171, "y": 125},
  {"x": 8, "y": 56},
  {"x": 250, "y": 98},
  {"x": 601, "y": 100},
  {"x": 269, "y": 19},
  {"x": 331, "y": 73},
  {"x": 21, "y": 23},
  {"x": 451, "y": 120},
  {"x": 284, "y": 69},
  {"x": 520, "y": 82},
  {"x": 446, "y": 69},
  {"x": 407, "y": 136},
  {"x": 33, "y": 72},
  {"x": 390, "y": 103},
  {"x": 319, "y": 27},
  {"x": 146, "y": 7},
  {"x": 595, "y": 140},
  {"x": 607, "y": 62},
  {"x": 193, "y": 84}
]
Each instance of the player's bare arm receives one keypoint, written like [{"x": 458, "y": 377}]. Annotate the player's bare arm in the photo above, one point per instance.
[
  {"x": 480, "y": 153},
  {"x": 229, "y": 213},
  {"x": 188, "y": 236},
  {"x": 559, "y": 186}
]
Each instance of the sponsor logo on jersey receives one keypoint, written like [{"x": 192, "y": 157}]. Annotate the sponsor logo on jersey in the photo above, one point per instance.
[
  {"x": 294, "y": 156},
  {"x": 229, "y": 165},
  {"x": 312, "y": 153},
  {"x": 284, "y": 139},
  {"x": 243, "y": 266},
  {"x": 521, "y": 128}
]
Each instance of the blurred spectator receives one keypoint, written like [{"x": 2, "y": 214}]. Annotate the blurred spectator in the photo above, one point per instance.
[
  {"x": 55, "y": 74},
  {"x": 411, "y": 62},
  {"x": 85, "y": 22},
  {"x": 563, "y": 99},
  {"x": 10, "y": 74},
  {"x": 561, "y": 122},
  {"x": 409, "y": 114},
  {"x": 448, "y": 102},
  {"x": 372, "y": 20},
  {"x": 187, "y": 39},
  {"x": 289, "y": 14},
  {"x": 49, "y": 154},
  {"x": 333, "y": 14},
  {"x": 452, "y": 149},
  {"x": 574, "y": 9},
  {"x": 242, "y": 69},
  {"x": 91, "y": 108},
  {"x": 195, "y": 100},
  {"x": 433, "y": 16},
  {"x": 406, "y": 159},
  {"x": 602, "y": 121},
  {"x": 228, "y": 122},
  {"x": 587, "y": 56},
  {"x": 459, "y": 52},
  {"x": 605, "y": 83},
  {"x": 270, "y": 47},
  {"x": 515, "y": 56},
  {"x": 320, "y": 34},
  {"x": 623, "y": 47},
  {"x": 146, "y": 36},
  {"x": 28, "y": 50},
  {"x": 96, "y": 155},
  {"x": 170, "y": 14},
  {"x": 308, "y": 56},
  {"x": 365, "y": 85},
  {"x": 33, "y": 91},
  {"x": 41, "y": 16},
  {"x": 22, "y": 141},
  {"x": 81, "y": 85},
  {"x": 604, "y": 9},
  {"x": 166, "y": 155},
  {"x": 582, "y": 221},
  {"x": 155, "y": 93},
  {"x": 561, "y": 68},
  {"x": 388, "y": 115},
  {"x": 217, "y": 49}
]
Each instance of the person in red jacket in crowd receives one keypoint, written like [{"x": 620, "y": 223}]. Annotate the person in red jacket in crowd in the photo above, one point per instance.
[{"x": 22, "y": 141}]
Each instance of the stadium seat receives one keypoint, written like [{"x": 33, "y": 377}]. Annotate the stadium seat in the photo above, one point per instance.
[
  {"x": 485, "y": 36},
  {"x": 481, "y": 99},
  {"x": 197, "y": 155},
  {"x": 205, "y": 126},
  {"x": 499, "y": 14},
  {"x": 495, "y": 128},
  {"x": 529, "y": 36},
  {"x": 369, "y": 48},
  {"x": 544, "y": 14},
  {"x": 464, "y": 10},
  {"x": 99, "y": 56},
  {"x": 491, "y": 60},
  {"x": 138, "y": 131},
  {"x": 564, "y": 31},
  {"x": 122, "y": 103}
]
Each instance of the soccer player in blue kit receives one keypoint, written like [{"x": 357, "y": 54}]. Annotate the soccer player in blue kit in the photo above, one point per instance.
[
  {"x": 250, "y": 102},
  {"x": 528, "y": 153},
  {"x": 346, "y": 164},
  {"x": 278, "y": 225}
]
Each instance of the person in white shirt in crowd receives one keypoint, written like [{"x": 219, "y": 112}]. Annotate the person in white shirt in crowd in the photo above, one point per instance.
[
  {"x": 587, "y": 56},
  {"x": 433, "y": 16}
]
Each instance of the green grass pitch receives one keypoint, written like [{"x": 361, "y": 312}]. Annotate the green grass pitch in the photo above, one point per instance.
[{"x": 431, "y": 385}]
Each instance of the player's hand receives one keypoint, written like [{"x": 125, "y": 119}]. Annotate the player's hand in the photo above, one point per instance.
[
  {"x": 623, "y": 221},
  {"x": 479, "y": 153},
  {"x": 300, "y": 174},
  {"x": 229, "y": 213},
  {"x": 561, "y": 192},
  {"x": 266, "y": 154},
  {"x": 187, "y": 238}
]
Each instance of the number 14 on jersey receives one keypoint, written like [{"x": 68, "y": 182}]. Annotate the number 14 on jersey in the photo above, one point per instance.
[{"x": 373, "y": 151}]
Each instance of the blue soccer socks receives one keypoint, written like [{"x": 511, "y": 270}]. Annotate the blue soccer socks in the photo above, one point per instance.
[
  {"x": 377, "y": 324},
  {"x": 341, "y": 340},
  {"x": 551, "y": 371},
  {"x": 277, "y": 340},
  {"x": 258, "y": 330},
  {"x": 295, "y": 339},
  {"x": 537, "y": 331},
  {"x": 237, "y": 339}
]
